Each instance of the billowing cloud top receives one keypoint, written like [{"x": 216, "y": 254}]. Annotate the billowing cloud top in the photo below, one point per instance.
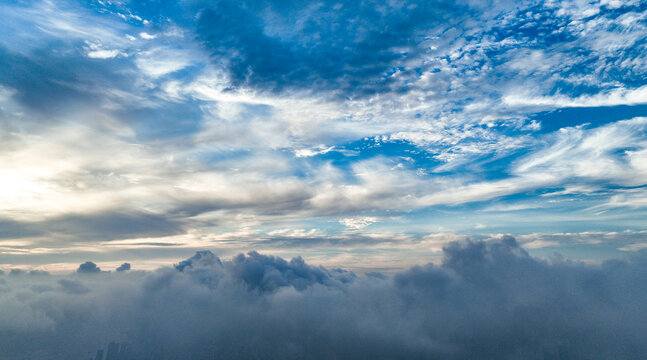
[
  {"x": 88, "y": 267},
  {"x": 488, "y": 300},
  {"x": 355, "y": 133}
]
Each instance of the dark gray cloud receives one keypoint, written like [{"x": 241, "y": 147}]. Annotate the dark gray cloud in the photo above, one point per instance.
[
  {"x": 10, "y": 229},
  {"x": 88, "y": 267},
  {"x": 124, "y": 267},
  {"x": 488, "y": 300},
  {"x": 112, "y": 225},
  {"x": 100, "y": 226},
  {"x": 200, "y": 259},
  {"x": 16, "y": 272},
  {"x": 20, "y": 272}
]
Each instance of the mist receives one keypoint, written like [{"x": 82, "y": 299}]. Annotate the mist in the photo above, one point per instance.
[{"x": 487, "y": 300}]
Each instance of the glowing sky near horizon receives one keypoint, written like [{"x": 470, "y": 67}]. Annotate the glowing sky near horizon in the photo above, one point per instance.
[{"x": 359, "y": 134}]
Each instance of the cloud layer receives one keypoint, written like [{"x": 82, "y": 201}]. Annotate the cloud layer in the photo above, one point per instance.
[{"x": 488, "y": 300}]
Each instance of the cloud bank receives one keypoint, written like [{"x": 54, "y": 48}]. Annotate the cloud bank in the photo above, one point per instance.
[{"x": 487, "y": 300}]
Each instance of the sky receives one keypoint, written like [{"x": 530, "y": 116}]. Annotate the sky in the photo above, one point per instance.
[
  {"x": 204, "y": 179},
  {"x": 366, "y": 135}
]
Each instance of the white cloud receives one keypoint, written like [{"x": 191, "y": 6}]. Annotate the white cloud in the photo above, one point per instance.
[
  {"x": 630, "y": 198},
  {"x": 162, "y": 60},
  {"x": 312, "y": 152},
  {"x": 104, "y": 54},
  {"x": 618, "y": 96},
  {"x": 147, "y": 36},
  {"x": 598, "y": 154},
  {"x": 358, "y": 223},
  {"x": 634, "y": 247}
]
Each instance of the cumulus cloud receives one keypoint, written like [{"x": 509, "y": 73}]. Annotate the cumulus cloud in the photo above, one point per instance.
[
  {"x": 487, "y": 300},
  {"x": 123, "y": 267},
  {"x": 88, "y": 267}
]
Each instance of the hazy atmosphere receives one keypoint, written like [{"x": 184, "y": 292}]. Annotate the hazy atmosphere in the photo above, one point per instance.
[{"x": 205, "y": 179}]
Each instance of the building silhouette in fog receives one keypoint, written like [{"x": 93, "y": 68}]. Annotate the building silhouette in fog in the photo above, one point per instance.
[
  {"x": 99, "y": 355},
  {"x": 115, "y": 352}
]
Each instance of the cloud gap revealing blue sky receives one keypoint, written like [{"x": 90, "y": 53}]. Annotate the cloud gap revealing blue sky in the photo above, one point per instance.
[{"x": 370, "y": 132}]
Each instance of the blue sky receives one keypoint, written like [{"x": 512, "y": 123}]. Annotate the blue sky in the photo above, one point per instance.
[{"x": 358, "y": 134}]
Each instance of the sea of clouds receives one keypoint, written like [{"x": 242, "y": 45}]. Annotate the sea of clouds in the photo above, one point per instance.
[{"x": 487, "y": 300}]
